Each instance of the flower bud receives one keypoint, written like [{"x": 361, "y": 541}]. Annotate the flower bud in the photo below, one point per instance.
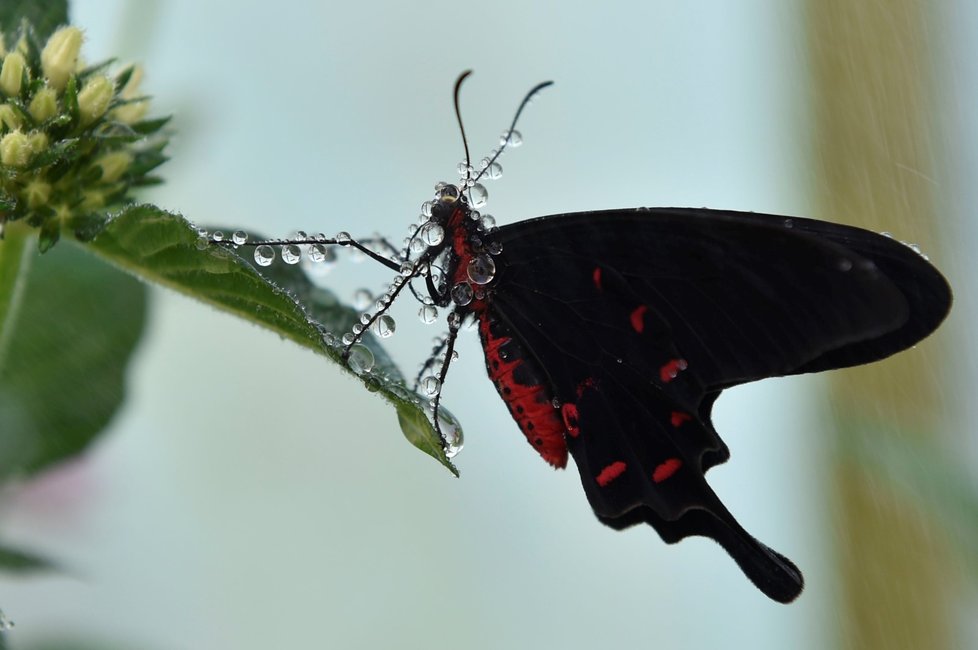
[
  {"x": 37, "y": 193},
  {"x": 92, "y": 200},
  {"x": 133, "y": 111},
  {"x": 15, "y": 149},
  {"x": 12, "y": 74},
  {"x": 38, "y": 140},
  {"x": 10, "y": 118},
  {"x": 44, "y": 105},
  {"x": 114, "y": 165},
  {"x": 60, "y": 55},
  {"x": 94, "y": 98}
]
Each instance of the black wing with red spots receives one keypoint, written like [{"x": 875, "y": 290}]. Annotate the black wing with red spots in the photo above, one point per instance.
[{"x": 635, "y": 320}]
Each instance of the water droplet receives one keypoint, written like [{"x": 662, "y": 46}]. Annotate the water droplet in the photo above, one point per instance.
[
  {"x": 291, "y": 254},
  {"x": 481, "y": 269},
  {"x": 432, "y": 234},
  {"x": 478, "y": 195},
  {"x": 239, "y": 237},
  {"x": 428, "y": 314},
  {"x": 264, "y": 255},
  {"x": 454, "y": 320},
  {"x": 430, "y": 386},
  {"x": 448, "y": 194},
  {"x": 319, "y": 253},
  {"x": 789, "y": 222},
  {"x": 360, "y": 359},
  {"x": 488, "y": 221},
  {"x": 845, "y": 264},
  {"x": 301, "y": 234},
  {"x": 407, "y": 270},
  {"x": 348, "y": 338},
  {"x": 511, "y": 139},
  {"x": 494, "y": 171},
  {"x": 217, "y": 236},
  {"x": 202, "y": 243},
  {"x": 417, "y": 246},
  {"x": 343, "y": 237},
  {"x": 494, "y": 247},
  {"x": 475, "y": 215},
  {"x": 357, "y": 329},
  {"x": 451, "y": 431},
  {"x": 330, "y": 339},
  {"x": 462, "y": 293},
  {"x": 362, "y": 299},
  {"x": 463, "y": 169},
  {"x": 365, "y": 318},
  {"x": 372, "y": 384},
  {"x": 384, "y": 326},
  {"x": 426, "y": 208},
  {"x": 888, "y": 235}
]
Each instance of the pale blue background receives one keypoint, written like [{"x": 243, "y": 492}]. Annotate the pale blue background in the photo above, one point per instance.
[{"x": 249, "y": 495}]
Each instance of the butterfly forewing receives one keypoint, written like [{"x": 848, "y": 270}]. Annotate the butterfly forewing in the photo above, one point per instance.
[{"x": 636, "y": 319}]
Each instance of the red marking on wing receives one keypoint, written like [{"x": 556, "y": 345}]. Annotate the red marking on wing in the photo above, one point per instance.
[
  {"x": 530, "y": 405},
  {"x": 584, "y": 385},
  {"x": 610, "y": 473},
  {"x": 638, "y": 318},
  {"x": 671, "y": 369},
  {"x": 677, "y": 418},
  {"x": 597, "y": 278},
  {"x": 569, "y": 412},
  {"x": 665, "y": 469}
]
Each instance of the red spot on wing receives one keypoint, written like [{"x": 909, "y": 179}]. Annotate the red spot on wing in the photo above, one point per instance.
[
  {"x": 610, "y": 473},
  {"x": 596, "y": 276},
  {"x": 584, "y": 385},
  {"x": 677, "y": 418},
  {"x": 666, "y": 469},
  {"x": 671, "y": 369},
  {"x": 569, "y": 412},
  {"x": 638, "y": 318}
]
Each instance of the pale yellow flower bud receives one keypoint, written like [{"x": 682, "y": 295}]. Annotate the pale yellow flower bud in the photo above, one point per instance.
[
  {"x": 12, "y": 74},
  {"x": 37, "y": 193},
  {"x": 60, "y": 56},
  {"x": 10, "y": 118},
  {"x": 114, "y": 165},
  {"x": 44, "y": 105},
  {"x": 131, "y": 113},
  {"x": 92, "y": 200},
  {"x": 94, "y": 98},
  {"x": 38, "y": 141},
  {"x": 15, "y": 149}
]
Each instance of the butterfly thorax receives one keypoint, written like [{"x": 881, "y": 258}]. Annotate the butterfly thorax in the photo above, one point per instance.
[{"x": 471, "y": 274}]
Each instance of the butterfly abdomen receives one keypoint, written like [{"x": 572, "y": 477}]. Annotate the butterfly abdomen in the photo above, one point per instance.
[{"x": 521, "y": 385}]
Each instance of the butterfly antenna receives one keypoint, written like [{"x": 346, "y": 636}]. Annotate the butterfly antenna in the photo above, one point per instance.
[
  {"x": 458, "y": 116},
  {"x": 512, "y": 126}
]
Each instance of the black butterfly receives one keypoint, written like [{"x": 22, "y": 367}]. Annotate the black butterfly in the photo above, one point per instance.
[{"x": 611, "y": 334}]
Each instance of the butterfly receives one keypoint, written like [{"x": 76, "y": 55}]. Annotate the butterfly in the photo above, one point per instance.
[{"x": 611, "y": 334}]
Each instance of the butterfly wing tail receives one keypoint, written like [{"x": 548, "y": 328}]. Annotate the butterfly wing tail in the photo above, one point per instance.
[{"x": 771, "y": 572}]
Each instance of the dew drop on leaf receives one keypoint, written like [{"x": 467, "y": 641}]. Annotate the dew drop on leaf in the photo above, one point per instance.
[{"x": 361, "y": 359}]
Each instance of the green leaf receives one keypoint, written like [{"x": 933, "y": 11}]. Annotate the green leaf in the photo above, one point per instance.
[
  {"x": 69, "y": 324},
  {"x": 17, "y": 561},
  {"x": 44, "y": 15},
  {"x": 164, "y": 248}
]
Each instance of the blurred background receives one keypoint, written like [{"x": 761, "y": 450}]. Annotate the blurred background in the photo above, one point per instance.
[{"x": 250, "y": 495}]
